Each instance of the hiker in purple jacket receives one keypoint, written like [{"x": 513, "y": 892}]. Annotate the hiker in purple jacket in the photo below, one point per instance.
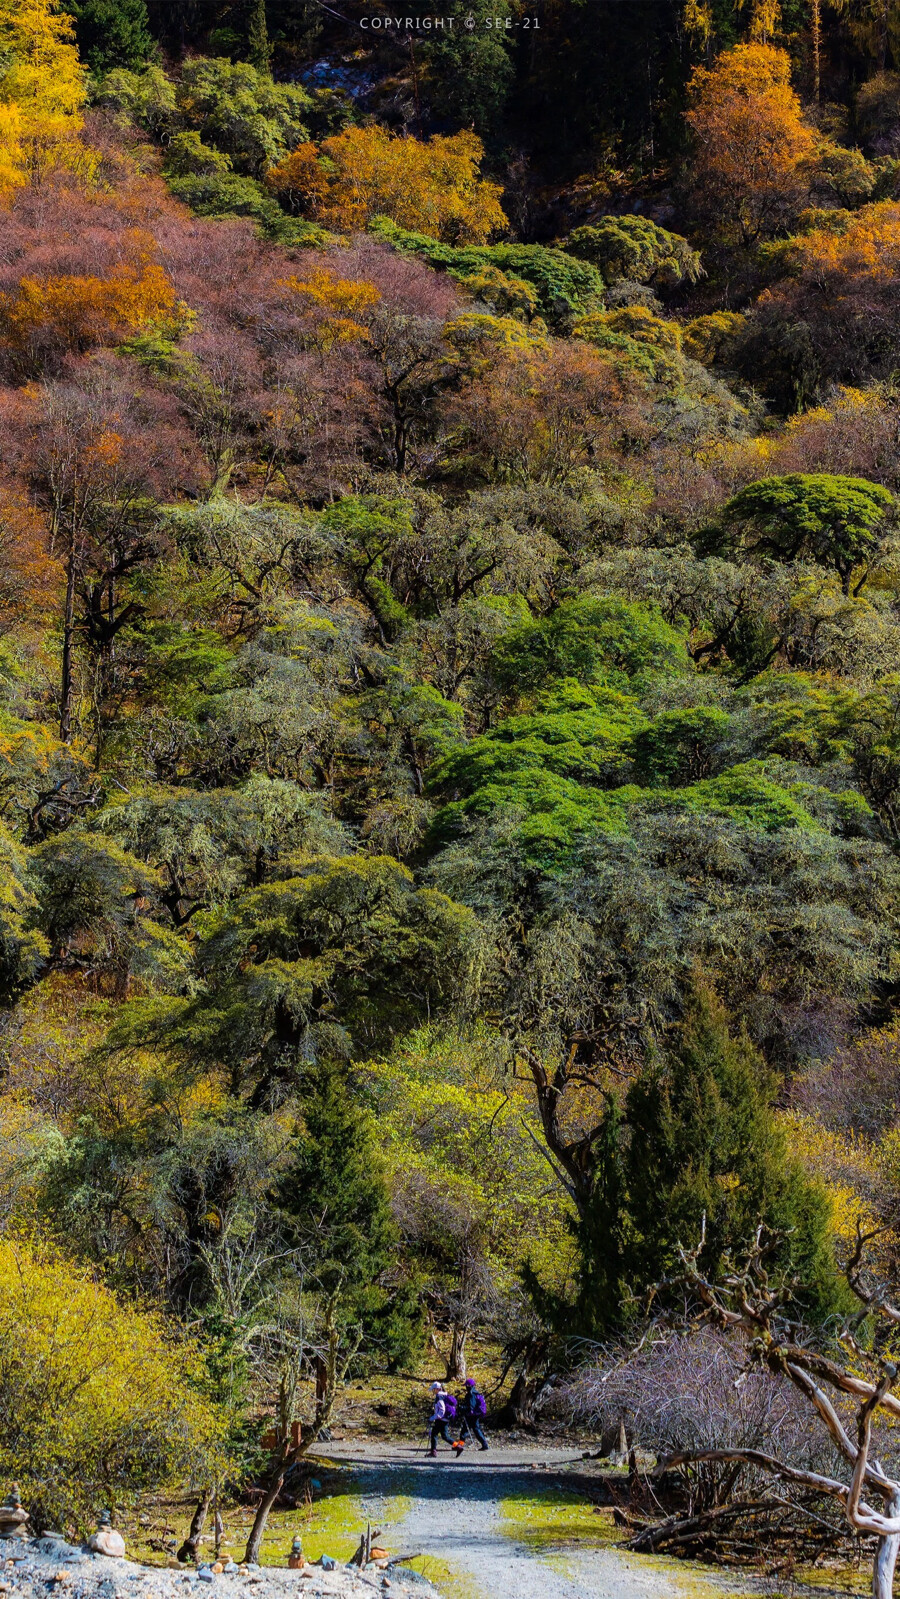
[
  {"x": 439, "y": 1417},
  {"x": 472, "y": 1409}
]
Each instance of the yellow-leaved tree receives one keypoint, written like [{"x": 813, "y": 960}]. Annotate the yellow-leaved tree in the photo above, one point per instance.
[
  {"x": 331, "y": 306},
  {"x": 431, "y": 186},
  {"x": 42, "y": 92},
  {"x": 98, "y": 1401}
]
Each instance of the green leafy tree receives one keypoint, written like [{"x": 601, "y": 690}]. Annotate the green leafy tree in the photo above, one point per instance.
[
  {"x": 93, "y": 900},
  {"x": 336, "y": 960},
  {"x": 209, "y": 846},
  {"x": 188, "y": 157},
  {"x": 234, "y": 107},
  {"x": 23, "y": 948},
  {"x": 592, "y": 639},
  {"x": 549, "y": 766},
  {"x": 636, "y": 249},
  {"x": 818, "y": 516},
  {"x": 146, "y": 98},
  {"x": 696, "y": 1152},
  {"x": 469, "y": 1180},
  {"x": 598, "y": 941},
  {"x": 681, "y": 746}
]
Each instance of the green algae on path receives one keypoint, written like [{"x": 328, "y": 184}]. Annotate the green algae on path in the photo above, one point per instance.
[
  {"x": 329, "y": 1524},
  {"x": 617, "y": 1573}
]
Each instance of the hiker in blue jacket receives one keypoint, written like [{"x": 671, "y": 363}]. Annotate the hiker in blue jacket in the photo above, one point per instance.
[{"x": 472, "y": 1409}]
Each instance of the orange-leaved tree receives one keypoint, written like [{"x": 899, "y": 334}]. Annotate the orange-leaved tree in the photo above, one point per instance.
[
  {"x": 331, "y": 306},
  {"x": 840, "y": 293},
  {"x": 43, "y": 317},
  {"x": 431, "y": 186},
  {"x": 745, "y": 177}
]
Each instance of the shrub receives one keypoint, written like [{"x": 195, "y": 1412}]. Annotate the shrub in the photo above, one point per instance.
[
  {"x": 565, "y": 287},
  {"x": 97, "y": 1401},
  {"x": 711, "y": 338},
  {"x": 228, "y": 194},
  {"x": 188, "y": 156},
  {"x": 683, "y": 1391}
]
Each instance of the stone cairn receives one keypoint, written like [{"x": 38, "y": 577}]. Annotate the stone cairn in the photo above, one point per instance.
[
  {"x": 13, "y": 1518},
  {"x": 106, "y": 1541}
]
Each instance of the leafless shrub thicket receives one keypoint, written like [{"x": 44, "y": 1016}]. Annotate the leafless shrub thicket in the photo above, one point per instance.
[{"x": 684, "y": 1391}]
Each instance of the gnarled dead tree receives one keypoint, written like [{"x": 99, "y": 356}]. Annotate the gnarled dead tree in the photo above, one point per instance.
[{"x": 747, "y": 1300}]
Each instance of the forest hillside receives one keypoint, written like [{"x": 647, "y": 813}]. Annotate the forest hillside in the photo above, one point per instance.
[{"x": 449, "y": 731}]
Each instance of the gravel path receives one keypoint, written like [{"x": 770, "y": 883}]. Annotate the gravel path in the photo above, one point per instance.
[
  {"x": 448, "y": 1509},
  {"x": 455, "y": 1517}
]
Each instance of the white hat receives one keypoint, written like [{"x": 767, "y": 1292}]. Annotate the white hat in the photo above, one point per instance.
[{"x": 436, "y": 1387}]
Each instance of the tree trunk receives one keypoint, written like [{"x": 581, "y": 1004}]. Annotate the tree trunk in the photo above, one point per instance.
[
  {"x": 321, "y": 1379},
  {"x": 456, "y": 1360},
  {"x": 188, "y": 1550},
  {"x": 275, "y": 1484},
  {"x": 65, "y": 697},
  {"x": 886, "y": 1559},
  {"x": 336, "y": 1362}
]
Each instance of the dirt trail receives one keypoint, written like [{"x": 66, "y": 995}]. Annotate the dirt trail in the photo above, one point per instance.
[{"x": 455, "y": 1516}]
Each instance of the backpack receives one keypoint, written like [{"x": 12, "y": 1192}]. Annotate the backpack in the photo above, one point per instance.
[
  {"x": 478, "y": 1404},
  {"x": 449, "y": 1406}
]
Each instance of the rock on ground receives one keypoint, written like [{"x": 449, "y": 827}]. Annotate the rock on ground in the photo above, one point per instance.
[{"x": 40, "y": 1567}]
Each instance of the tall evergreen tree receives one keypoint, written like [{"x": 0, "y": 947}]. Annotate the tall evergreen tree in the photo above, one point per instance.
[
  {"x": 112, "y": 33},
  {"x": 334, "y": 1198},
  {"x": 698, "y": 1139},
  {"x": 258, "y": 50}
]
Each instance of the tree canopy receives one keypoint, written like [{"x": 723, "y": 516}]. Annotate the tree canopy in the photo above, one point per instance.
[{"x": 829, "y": 519}]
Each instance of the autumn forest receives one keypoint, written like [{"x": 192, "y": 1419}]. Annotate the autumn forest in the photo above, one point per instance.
[{"x": 449, "y": 734}]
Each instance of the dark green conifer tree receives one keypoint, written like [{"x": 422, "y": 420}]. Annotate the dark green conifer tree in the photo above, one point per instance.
[
  {"x": 258, "y": 50},
  {"x": 698, "y": 1140},
  {"x": 112, "y": 33},
  {"x": 334, "y": 1198}
]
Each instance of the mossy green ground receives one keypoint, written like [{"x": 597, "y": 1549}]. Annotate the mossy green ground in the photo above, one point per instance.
[
  {"x": 549, "y": 1520},
  {"x": 450, "y": 1583},
  {"x": 557, "y": 1524},
  {"x": 330, "y": 1523}
]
